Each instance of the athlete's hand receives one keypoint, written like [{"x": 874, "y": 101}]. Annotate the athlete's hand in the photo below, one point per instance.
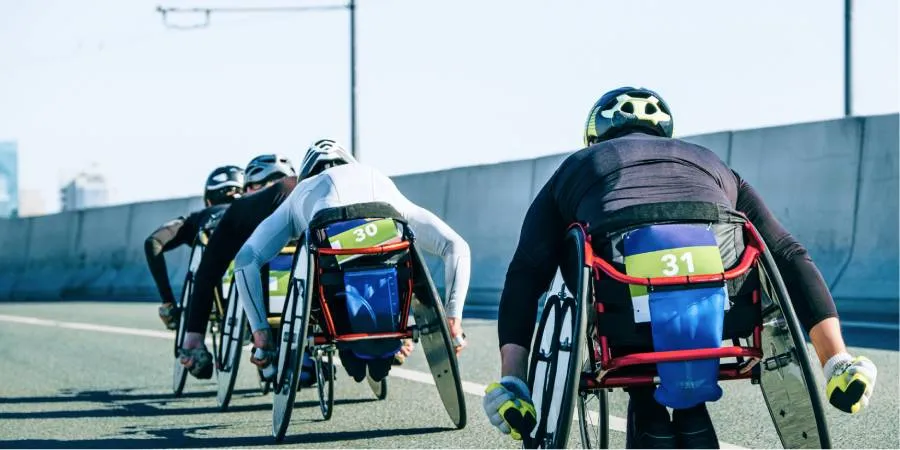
[
  {"x": 407, "y": 348},
  {"x": 850, "y": 382},
  {"x": 456, "y": 334},
  {"x": 509, "y": 407}
]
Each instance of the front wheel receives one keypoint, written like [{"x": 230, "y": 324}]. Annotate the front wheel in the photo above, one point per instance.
[
  {"x": 229, "y": 359},
  {"x": 179, "y": 372},
  {"x": 593, "y": 419},
  {"x": 325, "y": 381}
]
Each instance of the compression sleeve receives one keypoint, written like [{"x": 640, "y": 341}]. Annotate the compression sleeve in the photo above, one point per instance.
[
  {"x": 436, "y": 237},
  {"x": 809, "y": 294},
  {"x": 531, "y": 270}
]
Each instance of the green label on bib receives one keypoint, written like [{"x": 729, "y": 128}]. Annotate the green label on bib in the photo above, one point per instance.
[
  {"x": 704, "y": 260},
  {"x": 369, "y": 234}
]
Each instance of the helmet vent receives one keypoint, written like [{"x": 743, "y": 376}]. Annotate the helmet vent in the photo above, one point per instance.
[
  {"x": 628, "y": 107},
  {"x": 649, "y": 108}
]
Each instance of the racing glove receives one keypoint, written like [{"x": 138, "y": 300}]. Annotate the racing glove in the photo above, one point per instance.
[
  {"x": 850, "y": 382},
  {"x": 509, "y": 407}
]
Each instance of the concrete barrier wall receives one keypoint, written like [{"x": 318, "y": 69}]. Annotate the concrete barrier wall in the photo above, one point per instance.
[
  {"x": 92, "y": 254},
  {"x": 833, "y": 184},
  {"x": 14, "y": 237},
  {"x": 868, "y": 282},
  {"x": 807, "y": 175}
]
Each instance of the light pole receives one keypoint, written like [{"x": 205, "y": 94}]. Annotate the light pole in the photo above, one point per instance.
[
  {"x": 848, "y": 57},
  {"x": 351, "y": 7}
]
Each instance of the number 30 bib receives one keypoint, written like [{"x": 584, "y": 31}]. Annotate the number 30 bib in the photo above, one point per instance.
[{"x": 360, "y": 233}]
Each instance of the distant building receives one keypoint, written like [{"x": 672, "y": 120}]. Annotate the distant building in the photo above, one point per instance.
[
  {"x": 86, "y": 190},
  {"x": 31, "y": 203},
  {"x": 9, "y": 179}
]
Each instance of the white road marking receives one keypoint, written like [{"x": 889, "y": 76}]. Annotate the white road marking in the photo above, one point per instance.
[{"x": 615, "y": 423}]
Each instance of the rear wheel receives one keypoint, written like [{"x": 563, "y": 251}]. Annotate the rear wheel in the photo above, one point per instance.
[
  {"x": 554, "y": 374},
  {"x": 291, "y": 343}
]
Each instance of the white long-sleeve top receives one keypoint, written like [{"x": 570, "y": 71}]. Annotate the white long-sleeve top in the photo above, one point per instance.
[{"x": 342, "y": 186}]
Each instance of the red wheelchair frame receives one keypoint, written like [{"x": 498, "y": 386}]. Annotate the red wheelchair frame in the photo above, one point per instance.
[
  {"x": 331, "y": 334},
  {"x": 747, "y": 357},
  {"x": 308, "y": 323},
  {"x": 776, "y": 365}
]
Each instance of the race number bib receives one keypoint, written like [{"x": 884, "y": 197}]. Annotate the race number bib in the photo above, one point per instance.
[
  {"x": 668, "y": 251},
  {"x": 362, "y": 233}
]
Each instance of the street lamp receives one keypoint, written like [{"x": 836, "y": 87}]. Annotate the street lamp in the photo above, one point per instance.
[{"x": 350, "y": 6}]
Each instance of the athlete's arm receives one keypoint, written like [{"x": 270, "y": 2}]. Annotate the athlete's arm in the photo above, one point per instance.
[
  {"x": 234, "y": 228},
  {"x": 529, "y": 275},
  {"x": 287, "y": 222},
  {"x": 436, "y": 237},
  {"x": 220, "y": 250},
  {"x": 167, "y": 237},
  {"x": 809, "y": 294}
]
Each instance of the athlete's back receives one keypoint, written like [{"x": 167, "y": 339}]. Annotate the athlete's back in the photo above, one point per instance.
[
  {"x": 341, "y": 186},
  {"x": 638, "y": 169}
]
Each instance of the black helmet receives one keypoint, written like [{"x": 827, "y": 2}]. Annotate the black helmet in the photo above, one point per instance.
[
  {"x": 223, "y": 185},
  {"x": 627, "y": 108}
]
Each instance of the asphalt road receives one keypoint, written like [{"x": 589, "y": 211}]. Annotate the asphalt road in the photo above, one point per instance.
[{"x": 98, "y": 375}]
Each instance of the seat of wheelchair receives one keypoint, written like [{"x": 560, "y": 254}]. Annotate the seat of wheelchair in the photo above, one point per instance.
[{"x": 363, "y": 292}]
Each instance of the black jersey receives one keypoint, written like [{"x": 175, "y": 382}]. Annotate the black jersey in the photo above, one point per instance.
[
  {"x": 595, "y": 183},
  {"x": 233, "y": 229}
]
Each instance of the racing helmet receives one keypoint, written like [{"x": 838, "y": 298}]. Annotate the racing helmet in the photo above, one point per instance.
[
  {"x": 265, "y": 168},
  {"x": 627, "y": 109},
  {"x": 223, "y": 185},
  {"x": 321, "y": 155}
]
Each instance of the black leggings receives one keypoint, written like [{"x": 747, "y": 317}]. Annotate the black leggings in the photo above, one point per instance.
[{"x": 649, "y": 425}]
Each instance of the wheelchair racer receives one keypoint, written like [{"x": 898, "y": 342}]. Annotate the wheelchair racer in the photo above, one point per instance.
[
  {"x": 269, "y": 180},
  {"x": 331, "y": 177},
  {"x": 223, "y": 185},
  {"x": 631, "y": 159}
]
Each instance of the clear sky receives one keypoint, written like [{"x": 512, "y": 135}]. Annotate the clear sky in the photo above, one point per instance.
[{"x": 442, "y": 83}]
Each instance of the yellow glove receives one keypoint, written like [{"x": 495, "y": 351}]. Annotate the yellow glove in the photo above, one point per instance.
[
  {"x": 850, "y": 382},
  {"x": 509, "y": 407}
]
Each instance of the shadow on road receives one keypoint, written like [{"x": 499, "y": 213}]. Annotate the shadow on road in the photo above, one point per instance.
[
  {"x": 71, "y": 395},
  {"x": 186, "y": 438},
  {"x": 119, "y": 403}
]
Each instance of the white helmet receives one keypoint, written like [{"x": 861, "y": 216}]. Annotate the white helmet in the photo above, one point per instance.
[
  {"x": 323, "y": 154},
  {"x": 268, "y": 167}
]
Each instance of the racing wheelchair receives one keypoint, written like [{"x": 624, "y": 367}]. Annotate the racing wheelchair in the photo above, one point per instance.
[
  {"x": 601, "y": 336},
  {"x": 228, "y": 328},
  {"x": 179, "y": 372},
  {"x": 235, "y": 331},
  {"x": 356, "y": 276}
]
